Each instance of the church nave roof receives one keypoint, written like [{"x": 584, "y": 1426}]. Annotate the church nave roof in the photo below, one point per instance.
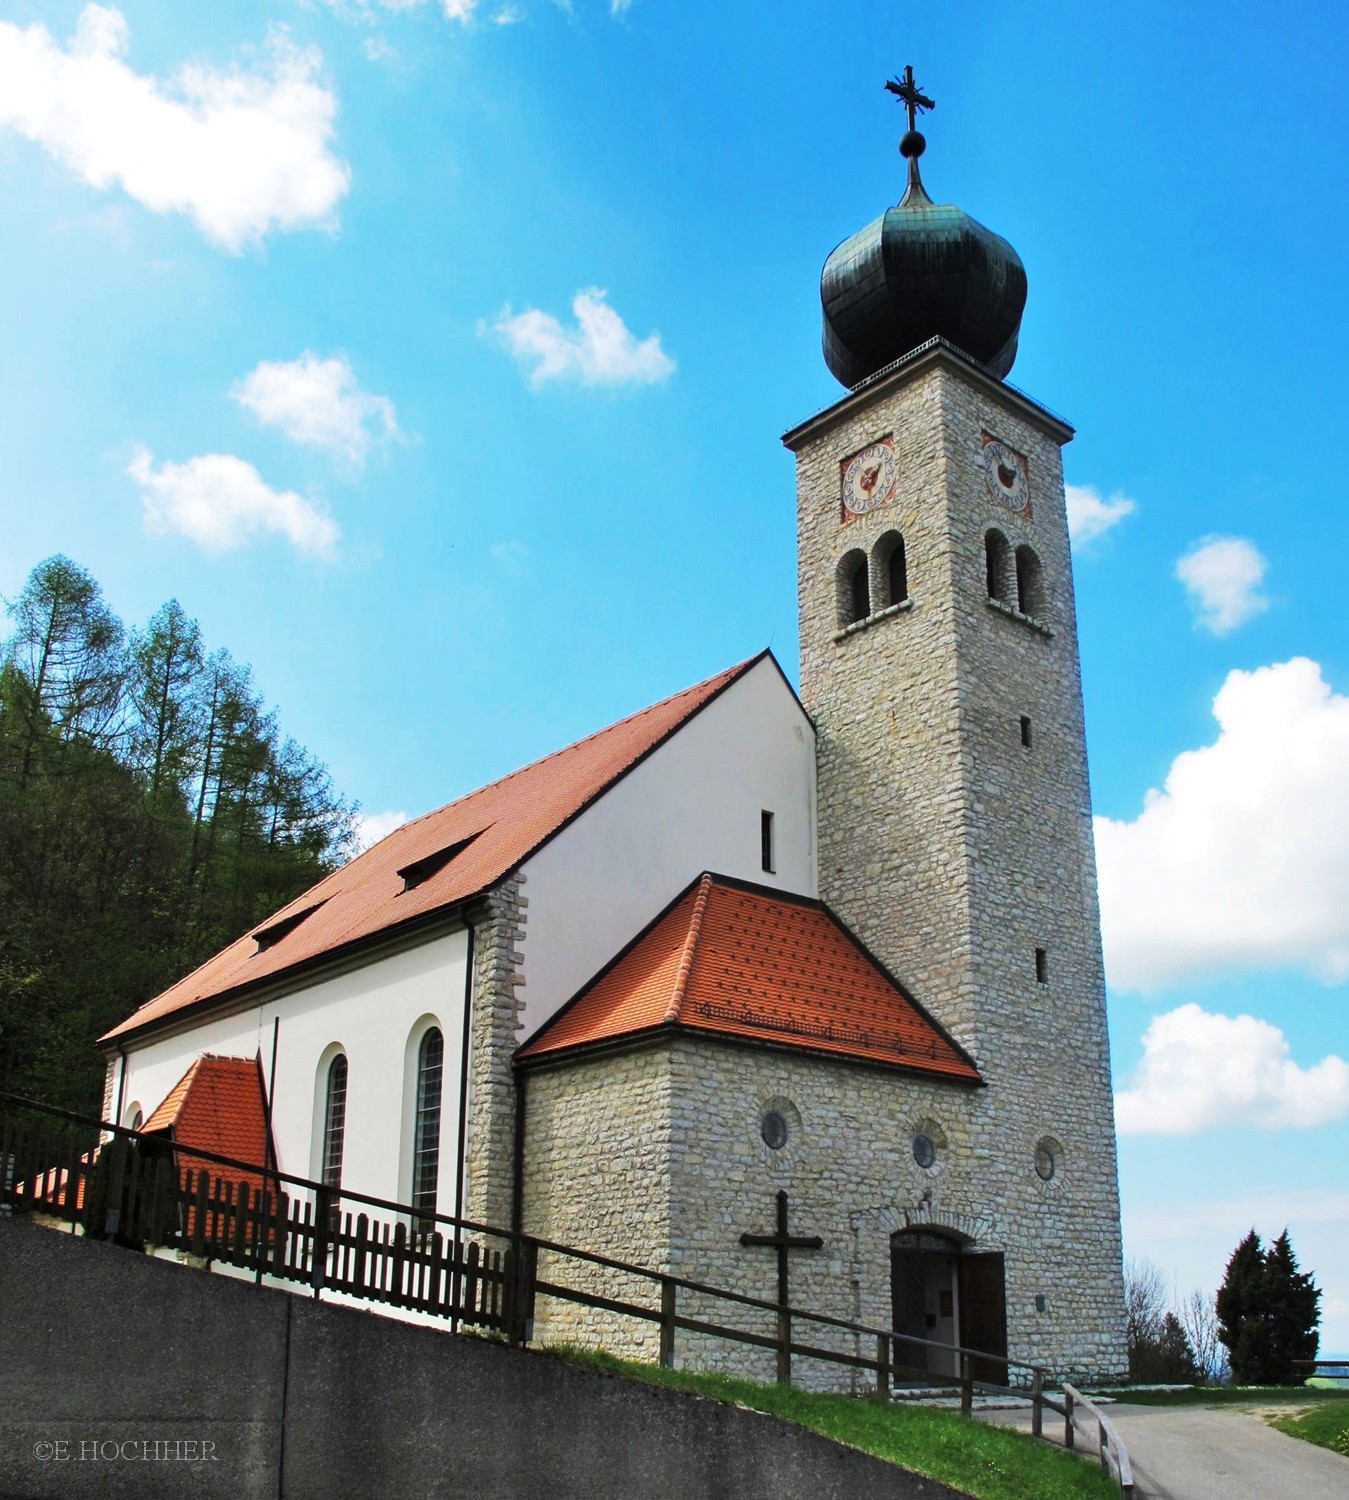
[{"x": 437, "y": 861}]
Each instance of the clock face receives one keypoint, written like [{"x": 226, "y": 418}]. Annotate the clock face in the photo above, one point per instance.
[
  {"x": 869, "y": 479},
  {"x": 1005, "y": 473}
]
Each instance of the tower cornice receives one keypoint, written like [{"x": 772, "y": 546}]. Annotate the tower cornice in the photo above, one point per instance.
[{"x": 936, "y": 352}]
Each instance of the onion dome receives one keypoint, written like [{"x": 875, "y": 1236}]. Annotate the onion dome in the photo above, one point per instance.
[{"x": 922, "y": 270}]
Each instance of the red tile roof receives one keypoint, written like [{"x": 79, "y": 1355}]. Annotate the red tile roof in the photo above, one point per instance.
[
  {"x": 748, "y": 962},
  {"x": 217, "y": 1105},
  {"x": 501, "y": 825}
]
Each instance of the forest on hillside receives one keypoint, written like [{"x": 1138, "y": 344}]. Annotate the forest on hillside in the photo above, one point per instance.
[{"x": 151, "y": 811}]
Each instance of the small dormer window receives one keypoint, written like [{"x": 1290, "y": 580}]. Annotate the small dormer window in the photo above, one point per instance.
[
  {"x": 271, "y": 935},
  {"x": 421, "y": 870}
]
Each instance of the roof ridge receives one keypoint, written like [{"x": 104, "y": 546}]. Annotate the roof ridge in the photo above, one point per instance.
[
  {"x": 728, "y": 673},
  {"x": 690, "y": 947}
]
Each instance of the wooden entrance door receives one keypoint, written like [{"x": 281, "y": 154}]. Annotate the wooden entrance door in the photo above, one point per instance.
[{"x": 983, "y": 1312}]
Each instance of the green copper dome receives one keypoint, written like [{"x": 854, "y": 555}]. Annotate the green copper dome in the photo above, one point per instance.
[{"x": 922, "y": 270}]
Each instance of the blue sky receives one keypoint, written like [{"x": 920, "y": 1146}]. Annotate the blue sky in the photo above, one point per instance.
[{"x": 435, "y": 357}]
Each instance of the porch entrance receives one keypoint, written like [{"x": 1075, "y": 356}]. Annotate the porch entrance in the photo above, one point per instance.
[{"x": 943, "y": 1292}]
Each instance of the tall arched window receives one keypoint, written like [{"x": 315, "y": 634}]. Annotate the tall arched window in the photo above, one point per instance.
[
  {"x": 891, "y": 573},
  {"x": 854, "y": 589},
  {"x": 996, "y": 560},
  {"x": 1029, "y": 584},
  {"x": 334, "y": 1121},
  {"x": 426, "y": 1129}
]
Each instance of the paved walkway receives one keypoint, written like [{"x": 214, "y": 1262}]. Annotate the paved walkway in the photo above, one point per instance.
[{"x": 1210, "y": 1453}]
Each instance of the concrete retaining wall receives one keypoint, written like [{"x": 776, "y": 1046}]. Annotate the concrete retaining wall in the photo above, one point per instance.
[{"x": 126, "y": 1376}]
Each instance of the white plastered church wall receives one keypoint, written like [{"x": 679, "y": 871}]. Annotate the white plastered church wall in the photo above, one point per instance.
[
  {"x": 692, "y": 805},
  {"x": 372, "y": 1012}
]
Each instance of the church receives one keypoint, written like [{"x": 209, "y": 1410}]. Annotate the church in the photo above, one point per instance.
[{"x": 843, "y": 944}]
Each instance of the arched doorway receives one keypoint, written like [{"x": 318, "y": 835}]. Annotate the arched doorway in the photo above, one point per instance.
[{"x": 944, "y": 1292}]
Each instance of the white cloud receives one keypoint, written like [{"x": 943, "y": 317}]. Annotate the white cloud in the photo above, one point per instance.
[
  {"x": 1222, "y": 575},
  {"x": 318, "y": 402},
  {"x": 1090, "y": 517},
  {"x": 240, "y": 153},
  {"x": 1200, "y": 1071},
  {"x": 372, "y": 827},
  {"x": 1242, "y": 861},
  {"x": 219, "y": 502},
  {"x": 598, "y": 350}
]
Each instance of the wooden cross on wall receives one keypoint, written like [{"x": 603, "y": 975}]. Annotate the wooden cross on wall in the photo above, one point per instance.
[{"x": 784, "y": 1242}]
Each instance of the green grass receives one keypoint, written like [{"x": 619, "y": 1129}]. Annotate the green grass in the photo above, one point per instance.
[
  {"x": 1229, "y": 1395},
  {"x": 992, "y": 1463},
  {"x": 1326, "y": 1424}
]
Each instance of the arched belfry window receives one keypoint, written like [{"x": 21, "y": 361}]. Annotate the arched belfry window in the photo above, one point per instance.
[
  {"x": 334, "y": 1121},
  {"x": 854, "y": 589},
  {"x": 1029, "y": 583},
  {"x": 997, "y": 561},
  {"x": 426, "y": 1126},
  {"x": 891, "y": 570}
]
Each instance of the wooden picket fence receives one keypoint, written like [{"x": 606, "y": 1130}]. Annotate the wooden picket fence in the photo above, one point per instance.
[{"x": 139, "y": 1192}]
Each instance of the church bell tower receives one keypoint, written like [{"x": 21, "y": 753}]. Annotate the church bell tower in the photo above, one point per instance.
[{"x": 939, "y": 661}]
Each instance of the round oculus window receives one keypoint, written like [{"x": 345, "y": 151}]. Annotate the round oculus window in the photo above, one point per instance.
[
  {"x": 773, "y": 1128},
  {"x": 1045, "y": 1164},
  {"x": 924, "y": 1152}
]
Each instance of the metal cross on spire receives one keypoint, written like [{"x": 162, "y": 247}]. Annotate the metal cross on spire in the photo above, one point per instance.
[{"x": 915, "y": 102}]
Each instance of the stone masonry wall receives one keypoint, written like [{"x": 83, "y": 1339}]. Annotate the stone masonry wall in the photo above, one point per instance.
[
  {"x": 494, "y": 1035},
  {"x": 597, "y": 1176},
  {"x": 851, "y": 1177},
  {"x": 953, "y": 850}
]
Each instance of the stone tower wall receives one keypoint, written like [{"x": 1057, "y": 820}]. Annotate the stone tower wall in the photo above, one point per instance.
[{"x": 953, "y": 850}]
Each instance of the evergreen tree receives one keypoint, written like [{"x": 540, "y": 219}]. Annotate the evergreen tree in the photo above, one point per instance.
[
  {"x": 1292, "y": 1306},
  {"x": 1268, "y": 1312},
  {"x": 1239, "y": 1325},
  {"x": 1176, "y": 1363}
]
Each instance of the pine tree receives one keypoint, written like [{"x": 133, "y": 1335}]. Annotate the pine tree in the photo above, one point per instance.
[
  {"x": 1175, "y": 1358},
  {"x": 1292, "y": 1304},
  {"x": 1238, "y": 1302},
  {"x": 1268, "y": 1312}
]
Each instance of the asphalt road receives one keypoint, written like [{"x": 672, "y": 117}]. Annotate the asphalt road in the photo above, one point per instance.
[{"x": 1212, "y": 1453}]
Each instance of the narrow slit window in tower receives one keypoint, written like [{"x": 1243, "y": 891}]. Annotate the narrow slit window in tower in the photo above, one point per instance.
[
  {"x": 1042, "y": 966},
  {"x": 766, "y": 842},
  {"x": 1025, "y": 730}
]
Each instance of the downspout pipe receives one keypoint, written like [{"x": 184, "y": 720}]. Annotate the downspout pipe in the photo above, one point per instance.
[
  {"x": 121, "y": 1084},
  {"x": 463, "y": 1073}
]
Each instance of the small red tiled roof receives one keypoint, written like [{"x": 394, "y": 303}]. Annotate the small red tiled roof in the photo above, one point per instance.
[
  {"x": 217, "y": 1105},
  {"x": 748, "y": 962},
  {"x": 499, "y": 826}
]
